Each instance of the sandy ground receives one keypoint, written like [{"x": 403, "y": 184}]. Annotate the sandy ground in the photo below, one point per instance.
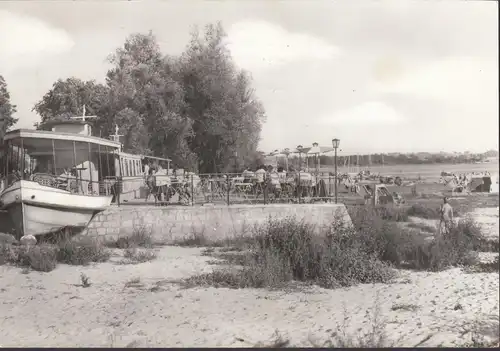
[
  {"x": 51, "y": 309},
  {"x": 419, "y": 308},
  {"x": 488, "y": 219}
]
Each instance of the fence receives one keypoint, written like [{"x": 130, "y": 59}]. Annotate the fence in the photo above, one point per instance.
[
  {"x": 191, "y": 189},
  {"x": 231, "y": 188}
]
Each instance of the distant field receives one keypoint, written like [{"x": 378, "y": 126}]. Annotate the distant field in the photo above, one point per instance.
[{"x": 428, "y": 172}]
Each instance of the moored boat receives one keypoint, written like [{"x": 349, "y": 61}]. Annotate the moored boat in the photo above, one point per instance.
[{"x": 56, "y": 177}]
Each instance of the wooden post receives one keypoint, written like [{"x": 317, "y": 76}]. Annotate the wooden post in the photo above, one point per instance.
[
  {"x": 99, "y": 171},
  {"x": 265, "y": 188},
  {"x": 78, "y": 175},
  {"x": 54, "y": 156},
  {"x": 192, "y": 190},
  {"x": 22, "y": 158},
  {"x": 90, "y": 170},
  {"x": 9, "y": 145},
  {"x": 227, "y": 188},
  {"x": 119, "y": 181}
]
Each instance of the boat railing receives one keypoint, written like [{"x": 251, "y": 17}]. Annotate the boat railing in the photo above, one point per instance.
[{"x": 75, "y": 185}]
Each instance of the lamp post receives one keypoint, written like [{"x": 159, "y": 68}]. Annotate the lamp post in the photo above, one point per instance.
[
  {"x": 235, "y": 157},
  {"x": 316, "y": 157},
  {"x": 286, "y": 152},
  {"x": 299, "y": 149},
  {"x": 299, "y": 186},
  {"x": 335, "y": 144},
  {"x": 276, "y": 153}
]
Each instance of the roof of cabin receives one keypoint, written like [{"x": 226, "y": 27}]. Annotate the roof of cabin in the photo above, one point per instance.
[
  {"x": 44, "y": 134},
  {"x": 52, "y": 123}
]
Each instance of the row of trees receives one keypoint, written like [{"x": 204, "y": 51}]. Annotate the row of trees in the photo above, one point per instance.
[
  {"x": 197, "y": 108},
  {"x": 402, "y": 159}
]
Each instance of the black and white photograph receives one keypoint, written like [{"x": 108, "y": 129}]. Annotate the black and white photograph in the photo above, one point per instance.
[{"x": 249, "y": 173}]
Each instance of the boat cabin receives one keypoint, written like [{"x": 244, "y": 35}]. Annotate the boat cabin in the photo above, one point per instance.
[
  {"x": 80, "y": 127},
  {"x": 63, "y": 155}
]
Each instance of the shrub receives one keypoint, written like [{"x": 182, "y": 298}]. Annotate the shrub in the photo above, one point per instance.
[
  {"x": 287, "y": 249},
  {"x": 7, "y": 254},
  {"x": 44, "y": 257},
  {"x": 81, "y": 252},
  {"x": 379, "y": 237},
  {"x": 470, "y": 230},
  {"x": 134, "y": 255},
  {"x": 141, "y": 237},
  {"x": 418, "y": 210},
  {"x": 195, "y": 239},
  {"x": 39, "y": 258},
  {"x": 422, "y": 227},
  {"x": 409, "y": 249},
  {"x": 391, "y": 213},
  {"x": 486, "y": 267}
]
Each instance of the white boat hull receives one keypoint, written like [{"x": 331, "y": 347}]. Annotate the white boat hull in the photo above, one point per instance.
[{"x": 36, "y": 209}]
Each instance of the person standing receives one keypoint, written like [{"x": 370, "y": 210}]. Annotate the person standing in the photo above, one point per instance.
[{"x": 446, "y": 216}]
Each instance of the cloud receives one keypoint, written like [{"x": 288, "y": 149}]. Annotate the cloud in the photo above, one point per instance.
[
  {"x": 259, "y": 44},
  {"x": 462, "y": 80},
  {"x": 368, "y": 113},
  {"x": 25, "y": 41}
]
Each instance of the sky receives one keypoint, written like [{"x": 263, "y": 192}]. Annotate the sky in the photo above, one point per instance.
[{"x": 382, "y": 76}]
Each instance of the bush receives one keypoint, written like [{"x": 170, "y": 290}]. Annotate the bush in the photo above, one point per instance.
[
  {"x": 471, "y": 230},
  {"x": 141, "y": 237},
  {"x": 391, "y": 213},
  {"x": 488, "y": 267},
  {"x": 418, "y": 210},
  {"x": 405, "y": 248},
  {"x": 133, "y": 255},
  {"x": 39, "y": 258},
  {"x": 195, "y": 239},
  {"x": 81, "y": 252},
  {"x": 7, "y": 254},
  {"x": 286, "y": 250},
  {"x": 44, "y": 257}
]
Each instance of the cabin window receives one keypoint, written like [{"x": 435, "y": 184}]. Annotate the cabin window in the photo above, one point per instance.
[
  {"x": 132, "y": 169},
  {"x": 125, "y": 173}
]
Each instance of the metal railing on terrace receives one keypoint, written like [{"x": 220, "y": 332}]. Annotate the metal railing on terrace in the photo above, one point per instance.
[
  {"x": 233, "y": 188},
  {"x": 198, "y": 189}
]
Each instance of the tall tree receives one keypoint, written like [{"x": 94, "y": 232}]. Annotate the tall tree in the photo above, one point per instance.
[
  {"x": 7, "y": 109},
  {"x": 226, "y": 116},
  {"x": 67, "y": 98},
  {"x": 145, "y": 84}
]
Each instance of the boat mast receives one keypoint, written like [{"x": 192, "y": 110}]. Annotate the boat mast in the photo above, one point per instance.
[{"x": 83, "y": 118}]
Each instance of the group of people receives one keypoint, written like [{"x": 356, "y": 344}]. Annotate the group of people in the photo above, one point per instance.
[{"x": 264, "y": 172}]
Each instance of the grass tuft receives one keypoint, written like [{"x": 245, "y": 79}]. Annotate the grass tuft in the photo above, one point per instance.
[
  {"x": 141, "y": 237},
  {"x": 135, "y": 255}
]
